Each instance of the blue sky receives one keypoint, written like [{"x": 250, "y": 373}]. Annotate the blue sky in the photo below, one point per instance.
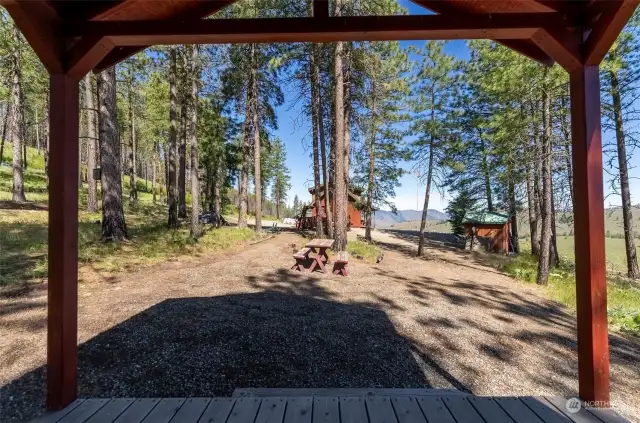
[{"x": 295, "y": 133}]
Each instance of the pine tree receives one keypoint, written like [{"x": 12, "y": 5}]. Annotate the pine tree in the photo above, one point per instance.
[
  {"x": 172, "y": 187},
  {"x": 431, "y": 102},
  {"x": 379, "y": 113},
  {"x": 16, "y": 131},
  {"x": 622, "y": 87},
  {"x": 281, "y": 177},
  {"x": 92, "y": 200},
  {"x": 196, "y": 229},
  {"x": 114, "y": 227}
]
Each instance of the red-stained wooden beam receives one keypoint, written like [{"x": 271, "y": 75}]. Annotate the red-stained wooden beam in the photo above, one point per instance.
[
  {"x": 607, "y": 28},
  {"x": 201, "y": 10},
  {"x": 591, "y": 280},
  {"x": 529, "y": 49},
  {"x": 321, "y": 8},
  {"x": 38, "y": 22},
  {"x": 561, "y": 45},
  {"x": 420, "y": 27},
  {"x": 117, "y": 55},
  {"x": 62, "y": 321},
  {"x": 86, "y": 54}
]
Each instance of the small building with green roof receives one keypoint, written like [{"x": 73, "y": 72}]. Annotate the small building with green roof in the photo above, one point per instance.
[{"x": 488, "y": 228}]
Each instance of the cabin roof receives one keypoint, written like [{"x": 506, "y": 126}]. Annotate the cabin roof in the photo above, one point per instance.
[{"x": 485, "y": 217}]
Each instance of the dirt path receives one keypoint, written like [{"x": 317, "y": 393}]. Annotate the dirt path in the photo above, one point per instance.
[{"x": 246, "y": 320}]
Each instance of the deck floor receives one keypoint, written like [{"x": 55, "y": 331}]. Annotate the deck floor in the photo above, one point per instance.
[{"x": 329, "y": 409}]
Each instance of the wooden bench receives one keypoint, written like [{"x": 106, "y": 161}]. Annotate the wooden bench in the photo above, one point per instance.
[
  {"x": 301, "y": 257},
  {"x": 341, "y": 266}
]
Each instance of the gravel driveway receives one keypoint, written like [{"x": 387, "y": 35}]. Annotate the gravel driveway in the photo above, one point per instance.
[{"x": 244, "y": 320}]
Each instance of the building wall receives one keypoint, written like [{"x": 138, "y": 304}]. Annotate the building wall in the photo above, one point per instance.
[
  {"x": 355, "y": 217},
  {"x": 496, "y": 236}
]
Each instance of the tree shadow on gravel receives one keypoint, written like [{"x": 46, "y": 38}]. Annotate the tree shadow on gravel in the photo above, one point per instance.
[{"x": 291, "y": 335}]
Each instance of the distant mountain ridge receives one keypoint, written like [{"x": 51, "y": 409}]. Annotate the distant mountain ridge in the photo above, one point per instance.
[{"x": 386, "y": 219}]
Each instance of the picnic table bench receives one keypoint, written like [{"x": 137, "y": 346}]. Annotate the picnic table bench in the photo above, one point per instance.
[
  {"x": 341, "y": 266},
  {"x": 319, "y": 247}
]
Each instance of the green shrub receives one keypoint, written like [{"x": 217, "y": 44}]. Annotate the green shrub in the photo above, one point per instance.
[{"x": 367, "y": 251}]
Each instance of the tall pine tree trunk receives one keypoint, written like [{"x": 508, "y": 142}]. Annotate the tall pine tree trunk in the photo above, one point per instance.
[
  {"x": 133, "y": 193},
  {"x": 256, "y": 141},
  {"x": 322, "y": 140},
  {"x": 315, "y": 106},
  {"x": 554, "y": 238},
  {"x": 515, "y": 242},
  {"x": 114, "y": 227},
  {"x": 545, "y": 238},
  {"x": 172, "y": 188},
  {"x": 625, "y": 193},
  {"x": 371, "y": 150},
  {"x": 347, "y": 113},
  {"x": 217, "y": 183},
  {"x": 565, "y": 126},
  {"x": 340, "y": 195},
  {"x": 182, "y": 149},
  {"x": 153, "y": 177},
  {"x": 427, "y": 192},
  {"x": 16, "y": 130},
  {"x": 3, "y": 135},
  {"x": 243, "y": 188},
  {"x": 485, "y": 172},
  {"x": 196, "y": 229},
  {"x": 92, "y": 194}
]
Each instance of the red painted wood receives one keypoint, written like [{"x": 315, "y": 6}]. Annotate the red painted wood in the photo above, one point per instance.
[
  {"x": 37, "y": 20},
  {"x": 62, "y": 323},
  {"x": 607, "y": 28},
  {"x": 561, "y": 45},
  {"x": 320, "y": 8},
  {"x": 86, "y": 54},
  {"x": 591, "y": 283},
  {"x": 212, "y": 31}
]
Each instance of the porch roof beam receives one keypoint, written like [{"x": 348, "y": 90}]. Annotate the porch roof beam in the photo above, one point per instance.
[{"x": 315, "y": 29}]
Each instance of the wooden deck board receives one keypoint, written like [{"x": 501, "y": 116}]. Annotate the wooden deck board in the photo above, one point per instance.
[
  {"x": 582, "y": 416},
  {"x": 244, "y": 410},
  {"x": 271, "y": 410},
  {"x": 191, "y": 410},
  {"x": 351, "y": 408},
  {"x": 326, "y": 410},
  {"x": 434, "y": 410},
  {"x": 84, "y": 411},
  {"x": 518, "y": 411},
  {"x": 55, "y": 416},
  {"x": 380, "y": 410},
  {"x": 462, "y": 410},
  {"x": 547, "y": 412},
  {"x": 407, "y": 410},
  {"x": 111, "y": 410},
  {"x": 217, "y": 411},
  {"x": 299, "y": 410},
  {"x": 137, "y": 411},
  {"x": 489, "y": 410}
]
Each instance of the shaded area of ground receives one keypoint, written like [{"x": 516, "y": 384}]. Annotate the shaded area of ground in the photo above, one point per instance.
[{"x": 244, "y": 320}]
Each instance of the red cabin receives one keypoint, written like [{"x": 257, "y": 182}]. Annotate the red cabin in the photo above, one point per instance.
[{"x": 355, "y": 217}]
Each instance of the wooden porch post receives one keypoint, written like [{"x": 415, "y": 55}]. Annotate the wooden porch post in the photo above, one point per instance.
[
  {"x": 591, "y": 282},
  {"x": 62, "y": 329}
]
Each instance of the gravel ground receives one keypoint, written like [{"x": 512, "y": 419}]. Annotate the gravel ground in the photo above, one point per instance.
[{"x": 245, "y": 320}]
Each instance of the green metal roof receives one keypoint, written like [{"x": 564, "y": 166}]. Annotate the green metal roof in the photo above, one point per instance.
[{"x": 486, "y": 217}]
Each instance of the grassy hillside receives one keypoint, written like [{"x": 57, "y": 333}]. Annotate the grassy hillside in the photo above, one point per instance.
[{"x": 23, "y": 233}]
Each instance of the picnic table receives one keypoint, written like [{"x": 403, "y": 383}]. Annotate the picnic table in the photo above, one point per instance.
[{"x": 320, "y": 247}]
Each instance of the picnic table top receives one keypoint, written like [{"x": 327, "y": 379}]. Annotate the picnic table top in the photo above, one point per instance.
[{"x": 320, "y": 243}]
